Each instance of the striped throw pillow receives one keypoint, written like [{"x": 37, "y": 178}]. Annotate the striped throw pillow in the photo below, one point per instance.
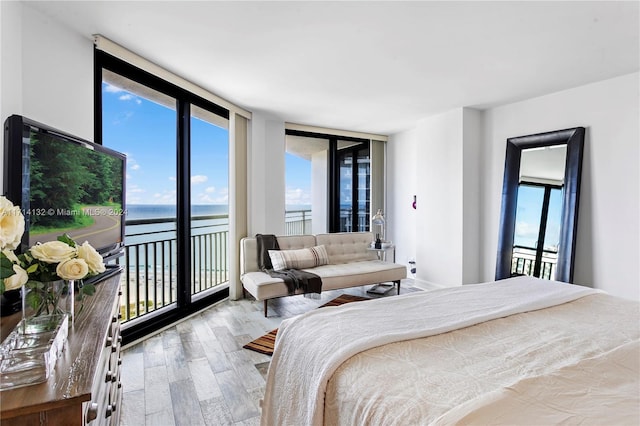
[{"x": 299, "y": 259}]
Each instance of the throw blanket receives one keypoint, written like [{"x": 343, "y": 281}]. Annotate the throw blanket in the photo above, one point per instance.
[
  {"x": 305, "y": 358},
  {"x": 294, "y": 279}
]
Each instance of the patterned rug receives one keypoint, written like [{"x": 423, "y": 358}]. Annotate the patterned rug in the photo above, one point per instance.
[{"x": 264, "y": 344}]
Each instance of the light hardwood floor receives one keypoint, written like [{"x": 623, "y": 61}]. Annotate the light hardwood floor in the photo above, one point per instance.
[{"x": 197, "y": 373}]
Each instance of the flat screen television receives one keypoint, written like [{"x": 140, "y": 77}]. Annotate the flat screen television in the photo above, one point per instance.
[{"x": 64, "y": 184}]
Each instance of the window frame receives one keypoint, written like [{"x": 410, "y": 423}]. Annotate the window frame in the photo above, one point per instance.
[{"x": 185, "y": 305}]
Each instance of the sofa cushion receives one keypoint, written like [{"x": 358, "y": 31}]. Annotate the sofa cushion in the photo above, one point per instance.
[{"x": 298, "y": 259}]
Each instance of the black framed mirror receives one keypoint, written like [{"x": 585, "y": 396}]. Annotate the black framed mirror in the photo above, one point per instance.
[{"x": 539, "y": 215}]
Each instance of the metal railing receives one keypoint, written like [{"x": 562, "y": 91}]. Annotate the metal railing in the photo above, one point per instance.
[
  {"x": 346, "y": 221},
  {"x": 523, "y": 260},
  {"x": 297, "y": 222},
  {"x": 149, "y": 279}
]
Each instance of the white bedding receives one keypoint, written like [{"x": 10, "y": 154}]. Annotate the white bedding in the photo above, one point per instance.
[
  {"x": 489, "y": 373},
  {"x": 305, "y": 359}
]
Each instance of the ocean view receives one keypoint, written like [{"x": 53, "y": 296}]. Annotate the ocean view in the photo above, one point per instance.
[{"x": 156, "y": 211}]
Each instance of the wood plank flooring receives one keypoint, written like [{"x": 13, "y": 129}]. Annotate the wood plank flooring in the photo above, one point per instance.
[{"x": 196, "y": 373}]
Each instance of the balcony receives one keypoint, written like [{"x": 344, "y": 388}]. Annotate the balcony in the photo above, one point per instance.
[
  {"x": 524, "y": 258},
  {"x": 148, "y": 283}
]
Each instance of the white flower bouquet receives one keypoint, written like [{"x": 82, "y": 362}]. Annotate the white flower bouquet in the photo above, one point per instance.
[{"x": 52, "y": 261}]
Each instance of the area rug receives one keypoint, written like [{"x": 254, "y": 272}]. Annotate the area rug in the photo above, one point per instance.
[{"x": 265, "y": 344}]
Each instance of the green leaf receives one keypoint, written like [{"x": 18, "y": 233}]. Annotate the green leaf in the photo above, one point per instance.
[
  {"x": 1, "y": 285},
  {"x": 67, "y": 240},
  {"x": 6, "y": 272},
  {"x": 31, "y": 269},
  {"x": 5, "y": 262},
  {"x": 88, "y": 289}
]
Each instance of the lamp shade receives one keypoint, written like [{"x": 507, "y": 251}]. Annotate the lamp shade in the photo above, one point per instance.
[{"x": 378, "y": 225}]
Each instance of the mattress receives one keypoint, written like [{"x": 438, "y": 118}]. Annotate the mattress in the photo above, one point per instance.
[{"x": 568, "y": 360}]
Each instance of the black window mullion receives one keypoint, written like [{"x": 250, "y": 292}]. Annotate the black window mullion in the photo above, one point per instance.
[
  {"x": 543, "y": 230},
  {"x": 334, "y": 186},
  {"x": 183, "y": 214},
  {"x": 354, "y": 190}
]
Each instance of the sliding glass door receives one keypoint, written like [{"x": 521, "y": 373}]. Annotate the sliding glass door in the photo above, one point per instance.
[
  {"x": 353, "y": 190},
  {"x": 177, "y": 146}
]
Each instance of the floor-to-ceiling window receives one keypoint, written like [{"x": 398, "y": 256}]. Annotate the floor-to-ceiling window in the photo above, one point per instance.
[
  {"x": 340, "y": 181},
  {"x": 353, "y": 190},
  {"x": 306, "y": 185},
  {"x": 177, "y": 146},
  {"x": 537, "y": 232}
]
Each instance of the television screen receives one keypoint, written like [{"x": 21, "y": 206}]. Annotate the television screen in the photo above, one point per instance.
[{"x": 64, "y": 184}]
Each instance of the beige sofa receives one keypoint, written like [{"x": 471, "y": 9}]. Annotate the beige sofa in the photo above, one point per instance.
[{"x": 350, "y": 264}]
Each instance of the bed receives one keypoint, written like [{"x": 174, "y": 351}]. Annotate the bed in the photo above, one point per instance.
[{"x": 515, "y": 351}]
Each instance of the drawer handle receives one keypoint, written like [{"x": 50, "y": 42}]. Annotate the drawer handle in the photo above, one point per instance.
[
  {"x": 92, "y": 412},
  {"x": 110, "y": 409},
  {"x": 109, "y": 341},
  {"x": 109, "y": 377}
]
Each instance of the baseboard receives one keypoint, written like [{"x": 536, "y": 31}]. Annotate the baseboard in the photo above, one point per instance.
[{"x": 427, "y": 285}]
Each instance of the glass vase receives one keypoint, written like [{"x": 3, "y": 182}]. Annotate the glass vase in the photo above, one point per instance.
[{"x": 45, "y": 304}]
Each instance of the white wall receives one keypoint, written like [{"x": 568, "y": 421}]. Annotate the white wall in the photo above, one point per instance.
[
  {"x": 319, "y": 195},
  {"x": 471, "y": 227},
  {"x": 11, "y": 63},
  {"x": 455, "y": 161},
  {"x": 54, "y": 82},
  {"x": 46, "y": 72},
  {"x": 608, "y": 247},
  {"x": 438, "y": 162},
  {"x": 266, "y": 175},
  {"x": 402, "y": 185}
]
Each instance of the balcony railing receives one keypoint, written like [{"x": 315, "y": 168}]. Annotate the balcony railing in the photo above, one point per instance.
[
  {"x": 346, "y": 224},
  {"x": 149, "y": 281},
  {"x": 297, "y": 222},
  {"x": 523, "y": 260}
]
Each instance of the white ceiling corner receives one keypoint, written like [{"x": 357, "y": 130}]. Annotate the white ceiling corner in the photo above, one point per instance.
[{"x": 365, "y": 66}]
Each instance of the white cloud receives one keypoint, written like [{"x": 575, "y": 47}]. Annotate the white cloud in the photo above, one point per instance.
[
  {"x": 198, "y": 179},
  {"x": 135, "y": 189},
  {"x": 297, "y": 196},
  {"x": 126, "y": 97},
  {"x": 109, "y": 88},
  {"x": 135, "y": 167},
  {"x": 172, "y": 178},
  {"x": 165, "y": 197},
  {"x": 211, "y": 195},
  {"x": 208, "y": 199}
]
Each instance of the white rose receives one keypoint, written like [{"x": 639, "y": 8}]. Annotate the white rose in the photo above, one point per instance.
[
  {"x": 72, "y": 269},
  {"x": 16, "y": 280},
  {"x": 10, "y": 255},
  {"x": 53, "y": 251},
  {"x": 11, "y": 224},
  {"x": 92, "y": 257}
]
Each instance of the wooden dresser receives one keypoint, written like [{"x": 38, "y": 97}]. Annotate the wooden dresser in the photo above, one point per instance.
[{"x": 84, "y": 387}]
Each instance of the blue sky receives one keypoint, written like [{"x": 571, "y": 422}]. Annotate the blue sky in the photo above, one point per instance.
[
  {"x": 528, "y": 216},
  {"x": 145, "y": 132},
  {"x": 298, "y": 180}
]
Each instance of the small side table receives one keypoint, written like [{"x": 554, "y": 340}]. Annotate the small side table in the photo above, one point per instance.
[{"x": 382, "y": 288}]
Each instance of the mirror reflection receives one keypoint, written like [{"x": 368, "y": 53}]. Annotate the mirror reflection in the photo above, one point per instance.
[
  {"x": 539, "y": 215},
  {"x": 539, "y": 211}
]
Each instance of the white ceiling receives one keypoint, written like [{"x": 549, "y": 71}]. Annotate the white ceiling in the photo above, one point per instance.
[{"x": 375, "y": 67}]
